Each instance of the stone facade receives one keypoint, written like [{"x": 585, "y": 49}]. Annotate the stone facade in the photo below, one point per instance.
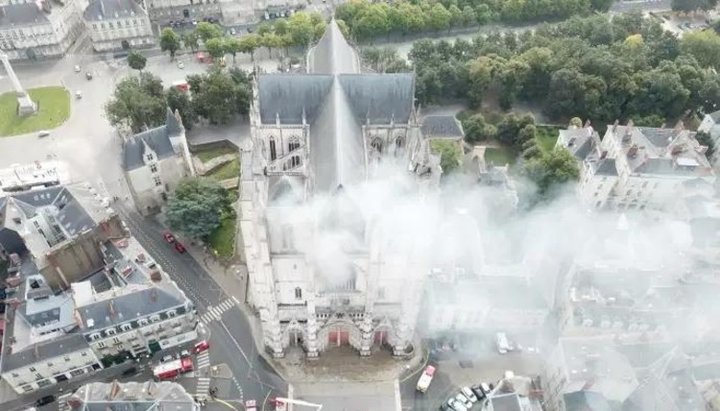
[{"x": 118, "y": 24}]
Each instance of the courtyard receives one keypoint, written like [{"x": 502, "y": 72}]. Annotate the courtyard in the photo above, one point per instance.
[{"x": 53, "y": 110}]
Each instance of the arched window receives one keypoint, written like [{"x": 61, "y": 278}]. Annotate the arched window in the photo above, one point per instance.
[
  {"x": 377, "y": 145},
  {"x": 294, "y": 161},
  {"x": 399, "y": 142},
  {"x": 298, "y": 293},
  {"x": 273, "y": 149},
  {"x": 294, "y": 144}
]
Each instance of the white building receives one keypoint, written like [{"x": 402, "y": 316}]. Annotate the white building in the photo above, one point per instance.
[
  {"x": 146, "y": 396},
  {"x": 639, "y": 167},
  {"x": 118, "y": 24},
  {"x": 313, "y": 136},
  {"x": 43, "y": 29},
  {"x": 163, "y": 11},
  {"x": 587, "y": 364},
  {"x": 19, "y": 177},
  {"x": 155, "y": 161}
]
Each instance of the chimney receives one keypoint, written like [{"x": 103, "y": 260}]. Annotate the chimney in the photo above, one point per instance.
[
  {"x": 632, "y": 153},
  {"x": 155, "y": 275},
  {"x": 615, "y": 124}
]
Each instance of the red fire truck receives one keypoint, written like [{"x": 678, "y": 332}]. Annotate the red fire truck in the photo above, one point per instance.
[{"x": 172, "y": 369}]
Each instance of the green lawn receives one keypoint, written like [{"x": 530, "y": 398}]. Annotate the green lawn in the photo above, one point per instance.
[
  {"x": 209, "y": 154},
  {"x": 499, "y": 156},
  {"x": 222, "y": 240},
  {"x": 547, "y": 137},
  {"x": 228, "y": 170},
  {"x": 54, "y": 109}
]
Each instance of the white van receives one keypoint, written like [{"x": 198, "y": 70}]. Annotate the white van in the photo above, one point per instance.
[{"x": 43, "y": 133}]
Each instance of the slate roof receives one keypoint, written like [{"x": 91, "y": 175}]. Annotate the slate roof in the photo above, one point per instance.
[
  {"x": 126, "y": 307},
  {"x": 607, "y": 167},
  {"x": 18, "y": 15},
  {"x": 157, "y": 139},
  {"x": 441, "y": 127},
  {"x": 336, "y": 100},
  {"x": 99, "y": 10},
  {"x": 585, "y": 400},
  {"x": 45, "y": 350},
  {"x": 506, "y": 402},
  {"x": 715, "y": 116},
  {"x": 333, "y": 54}
]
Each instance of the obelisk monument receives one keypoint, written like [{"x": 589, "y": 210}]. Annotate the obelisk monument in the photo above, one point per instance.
[{"x": 25, "y": 105}]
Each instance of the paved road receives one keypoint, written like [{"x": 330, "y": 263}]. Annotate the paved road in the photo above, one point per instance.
[{"x": 231, "y": 337}]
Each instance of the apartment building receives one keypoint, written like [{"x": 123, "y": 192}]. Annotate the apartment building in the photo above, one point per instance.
[
  {"x": 117, "y": 25},
  {"x": 60, "y": 227},
  {"x": 638, "y": 168},
  {"x": 43, "y": 29}
]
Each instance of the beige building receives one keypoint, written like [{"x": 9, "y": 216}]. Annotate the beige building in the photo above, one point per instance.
[
  {"x": 44, "y": 29},
  {"x": 638, "y": 168},
  {"x": 60, "y": 228},
  {"x": 155, "y": 161},
  {"x": 315, "y": 137},
  {"x": 118, "y": 24}
]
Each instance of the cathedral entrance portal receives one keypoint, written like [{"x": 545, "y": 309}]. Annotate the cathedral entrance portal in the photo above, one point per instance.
[{"x": 338, "y": 336}]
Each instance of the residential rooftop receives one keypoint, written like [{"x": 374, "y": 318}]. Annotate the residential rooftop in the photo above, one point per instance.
[
  {"x": 132, "y": 396},
  {"x": 39, "y": 174}
]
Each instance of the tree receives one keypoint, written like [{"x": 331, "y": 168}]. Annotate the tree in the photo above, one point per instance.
[
  {"x": 207, "y": 31},
  {"x": 706, "y": 140},
  {"x": 551, "y": 169},
  {"x": 197, "y": 206},
  {"x": 271, "y": 41},
  {"x": 704, "y": 46},
  {"x": 169, "y": 41},
  {"x": 137, "y": 102},
  {"x": 190, "y": 40},
  {"x": 215, "y": 47},
  {"x": 232, "y": 46},
  {"x": 576, "y": 122},
  {"x": 178, "y": 100},
  {"x": 449, "y": 153},
  {"x": 373, "y": 22},
  {"x": 136, "y": 61},
  {"x": 301, "y": 29},
  {"x": 439, "y": 17},
  {"x": 476, "y": 129},
  {"x": 248, "y": 44},
  {"x": 217, "y": 95}
]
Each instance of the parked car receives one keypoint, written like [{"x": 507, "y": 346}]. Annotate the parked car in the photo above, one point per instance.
[
  {"x": 463, "y": 400},
  {"x": 456, "y": 405},
  {"x": 469, "y": 394},
  {"x": 185, "y": 353},
  {"x": 78, "y": 94},
  {"x": 44, "y": 400},
  {"x": 88, "y": 75},
  {"x": 179, "y": 247},
  {"x": 43, "y": 133},
  {"x": 201, "y": 346},
  {"x": 129, "y": 372},
  {"x": 77, "y": 69},
  {"x": 250, "y": 405},
  {"x": 169, "y": 237},
  {"x": 478, "y": 391},
  {"x": 167, "y": 358},
  {"x": 181, "y": 65}
]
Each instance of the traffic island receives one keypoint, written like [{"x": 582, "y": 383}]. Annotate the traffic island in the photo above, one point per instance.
[{"x": 53, "y": 109}]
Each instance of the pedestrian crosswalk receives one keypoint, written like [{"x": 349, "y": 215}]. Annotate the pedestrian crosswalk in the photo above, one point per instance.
[
  {"x": 62, "y": 402},
  {"x": 203, "y": 359},
  {"x": 215, "y": 312},
  {"x": 203, "y": 387}
]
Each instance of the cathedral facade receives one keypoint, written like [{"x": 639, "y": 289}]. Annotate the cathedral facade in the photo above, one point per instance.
[{"x": 323, "y": 270}]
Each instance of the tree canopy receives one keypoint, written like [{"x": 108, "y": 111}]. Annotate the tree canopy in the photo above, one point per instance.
[
  {"x": 549, "y": 170},
  {"x": 218, "y": 95},
  {"x": 596, "y": 67},
  {"x": 138, "y": 102},
  {"x": 169, "y": 41},
  {"x": 136, "y": 61},
  {"x": 196, "y": 206}
]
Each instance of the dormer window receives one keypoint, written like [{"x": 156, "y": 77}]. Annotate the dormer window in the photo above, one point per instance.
[
  {"x": 153, "y": 168},
  {"x": 149, "y": 157},
  {"x": 171, "y": 313}
]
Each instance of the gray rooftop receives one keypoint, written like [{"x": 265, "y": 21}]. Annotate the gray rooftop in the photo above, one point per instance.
[
  {"x": 128, "y": 306},
  {"x": 506, "y": 402},
  {"x": 715, "y": 116},
  {"x": 441, "y": 127},
  {"x": 607, "y": 167},
  {"x": 336, "y": 100},
  {"x": 585, "y": 400},
  {"x": 333, "y": 54},
  {"x": 157, "y": 139},
  {"x": 112, "y": 9},
  {"x": 45, "y": 350},
  {"x": 19, "y": 15},
  {"x": 132, "y": 396}
]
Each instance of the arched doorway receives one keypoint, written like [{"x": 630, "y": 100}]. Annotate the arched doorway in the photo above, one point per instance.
[{"x": 339, "y": 333}]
